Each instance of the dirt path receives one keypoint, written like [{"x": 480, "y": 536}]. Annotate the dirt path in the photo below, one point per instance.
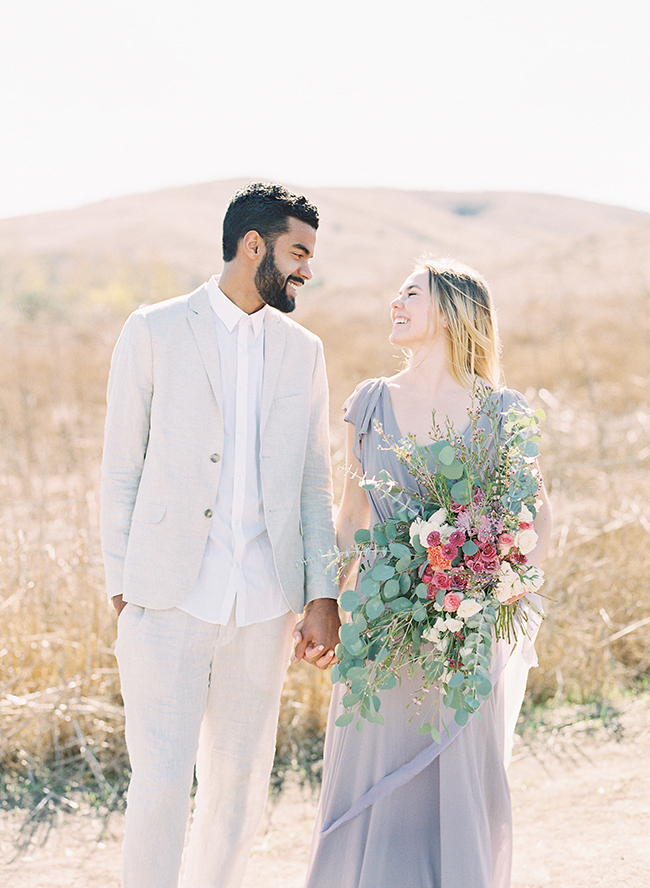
[{"x": 581, "y": 803}]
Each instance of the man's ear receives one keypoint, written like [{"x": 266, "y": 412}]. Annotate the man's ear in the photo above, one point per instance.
[{"x": 253, "y": 245}]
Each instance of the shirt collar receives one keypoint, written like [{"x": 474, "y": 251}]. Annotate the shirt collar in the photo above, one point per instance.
[{"x": 229, "y": 313}]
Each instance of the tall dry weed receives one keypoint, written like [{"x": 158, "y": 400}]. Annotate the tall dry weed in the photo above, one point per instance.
[{"x": 60, "y": 710}]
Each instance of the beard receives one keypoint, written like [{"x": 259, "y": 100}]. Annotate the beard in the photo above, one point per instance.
[{"x": 272, "y": 285}]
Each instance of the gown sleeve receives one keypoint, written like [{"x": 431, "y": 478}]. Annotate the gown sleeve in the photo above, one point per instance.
[{"x": 359, "y": 409}]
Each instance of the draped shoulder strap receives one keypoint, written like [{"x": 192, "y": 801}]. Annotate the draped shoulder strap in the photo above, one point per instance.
[{"x": 360, "y": 408}]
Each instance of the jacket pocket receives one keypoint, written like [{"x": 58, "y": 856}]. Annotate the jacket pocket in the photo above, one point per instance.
[{"x": 148, "y": 512}]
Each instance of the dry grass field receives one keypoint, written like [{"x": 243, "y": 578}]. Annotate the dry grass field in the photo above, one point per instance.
[{"x": 572, "y": 286}]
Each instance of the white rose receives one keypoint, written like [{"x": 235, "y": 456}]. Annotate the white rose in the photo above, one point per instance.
[
  {"x": 516, "y": 584},
  {"x": 431, "y": 634},
  {"x": 507, "y": 577},
  {"x": 533, "y": 578},
  {"x": 435, "y": 522},
  {"x": 526, "y": 540},
  {"x": 468, "y": 607},
  {"x": 452, "y": 625},
  {"x": 525, "y": 515},
  {"x": 415, "y": 528}
]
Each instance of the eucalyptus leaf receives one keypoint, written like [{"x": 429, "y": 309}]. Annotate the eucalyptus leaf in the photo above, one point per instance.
[
  {"x": 362, "y": 535},
  {"x": 391, "y": 589},
  {"x": 374, "y": 608},
  {"x": 417, "y": 546},
  {"x": 404, "y": 563},
  {"x": 446, "y": 455},
  {"x": 349, "y": 600},
  {"x": 401, "y": 604},
  {"x": 461, "y": 492},
  {"x": 469, "y": 547},
  {"x": 369, "y": 586},
  {"x": 461, "y": 717},
  {"x": 382, "y": 572},
  {"x": 348, "y": 633},
  {"x": 350, "y": 699},
  {"x": 399, "y": 550},
  {"x": 391, "y": 530},
  {"x": 344, "y": 719},
  {"x": 389, "y": 682},
  {"x": 453, "y": 472}
]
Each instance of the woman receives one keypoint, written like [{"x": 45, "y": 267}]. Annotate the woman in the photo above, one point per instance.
[{"x": 395, "y": 807}]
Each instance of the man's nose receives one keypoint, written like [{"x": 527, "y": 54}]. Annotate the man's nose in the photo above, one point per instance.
[{"x": 305, "y": 271}]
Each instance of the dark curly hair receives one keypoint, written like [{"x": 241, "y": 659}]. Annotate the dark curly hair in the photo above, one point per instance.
[{"x": 265, "y": 209}]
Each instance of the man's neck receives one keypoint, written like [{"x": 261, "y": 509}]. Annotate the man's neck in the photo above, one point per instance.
[{"x": 240, "y": 289}]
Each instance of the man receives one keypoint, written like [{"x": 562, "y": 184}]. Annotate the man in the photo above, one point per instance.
[{"x": 216, "y": 520}]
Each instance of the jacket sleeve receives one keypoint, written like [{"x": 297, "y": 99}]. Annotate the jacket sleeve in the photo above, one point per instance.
[
  {"x": 316, "y": 505},
  {"x": 130, "y": 392}
]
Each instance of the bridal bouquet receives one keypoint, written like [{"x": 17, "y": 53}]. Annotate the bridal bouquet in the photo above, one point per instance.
[{"x": 437, "y": 579}]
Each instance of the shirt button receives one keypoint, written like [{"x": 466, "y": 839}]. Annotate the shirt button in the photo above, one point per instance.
[
  {"x": 215, "y": 457},
  {"x": 208, "y": 513}
]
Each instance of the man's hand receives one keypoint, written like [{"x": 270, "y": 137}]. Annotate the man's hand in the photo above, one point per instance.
[
  {"x": 317, "y": 634},
  {"x": 118, "y": 603}
]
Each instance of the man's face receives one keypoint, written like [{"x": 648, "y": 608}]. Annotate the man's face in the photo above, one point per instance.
[{"x": 285, "y": 266}]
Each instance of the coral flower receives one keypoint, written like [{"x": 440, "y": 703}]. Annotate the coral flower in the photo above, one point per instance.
[
  {"x": 436, "y": 558},
  {"x": 451, "y": 602}
]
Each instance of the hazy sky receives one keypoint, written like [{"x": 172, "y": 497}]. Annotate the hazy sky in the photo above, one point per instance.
[{"x": 99, "y": 99}]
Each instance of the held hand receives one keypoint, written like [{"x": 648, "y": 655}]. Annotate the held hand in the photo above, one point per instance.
[{"x": 317, "y": 634}]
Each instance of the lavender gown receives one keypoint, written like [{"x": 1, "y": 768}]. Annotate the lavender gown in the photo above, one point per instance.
[{"x": 413, "y": 813}]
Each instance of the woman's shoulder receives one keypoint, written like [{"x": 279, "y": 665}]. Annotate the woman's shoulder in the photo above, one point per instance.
[
  {"x": 502, "y": 399},
  {"x": 508, "y": 398}
]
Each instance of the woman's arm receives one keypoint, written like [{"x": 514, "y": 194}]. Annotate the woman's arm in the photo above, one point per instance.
[{"x": 355, "y": 509}]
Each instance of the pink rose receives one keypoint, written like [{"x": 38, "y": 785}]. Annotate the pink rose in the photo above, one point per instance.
[
  {"x": 525, "y": 525},
  {"x": 490, "y": 565},
  {"x": 459, "y": 579},
  {"x": 451, "y": 602},
  {"x": 441, "y": 580},
  {"x": 432, "y": 591},
  {"x": 488, "y": 552},
  {"x": 506, "y": 542}
]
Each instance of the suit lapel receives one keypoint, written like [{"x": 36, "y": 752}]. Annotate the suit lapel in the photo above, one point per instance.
[
  {"x": 275, "y": 334},
  {"x": 202, "y": 323}
]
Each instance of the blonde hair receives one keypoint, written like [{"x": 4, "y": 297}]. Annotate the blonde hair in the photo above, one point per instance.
[{"x": 465, "y": 302}]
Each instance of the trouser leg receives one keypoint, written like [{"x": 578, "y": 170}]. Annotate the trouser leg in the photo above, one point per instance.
[
  {"x": 236, "y": 750},
  {"x": 164, "y": 661}
]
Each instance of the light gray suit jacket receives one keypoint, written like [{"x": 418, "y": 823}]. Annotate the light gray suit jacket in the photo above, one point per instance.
[{"x": 163, "y": 445}]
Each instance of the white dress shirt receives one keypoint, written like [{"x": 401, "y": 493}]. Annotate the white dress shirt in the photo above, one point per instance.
[{"x": 238, "y": 568}]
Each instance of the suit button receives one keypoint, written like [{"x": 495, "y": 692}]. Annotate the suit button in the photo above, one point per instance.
[
  {"x": 208, "y": 513},
  {"x": 215, "y": 457}
]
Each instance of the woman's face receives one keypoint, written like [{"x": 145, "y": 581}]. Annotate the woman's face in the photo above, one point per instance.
[{"x": 415, "y": 319}]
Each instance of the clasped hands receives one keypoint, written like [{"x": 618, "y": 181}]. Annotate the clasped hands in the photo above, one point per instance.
[{"x": 317, "y": 634}]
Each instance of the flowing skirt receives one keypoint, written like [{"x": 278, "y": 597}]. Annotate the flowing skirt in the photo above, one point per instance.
[{"x": 446, "y": 826}]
